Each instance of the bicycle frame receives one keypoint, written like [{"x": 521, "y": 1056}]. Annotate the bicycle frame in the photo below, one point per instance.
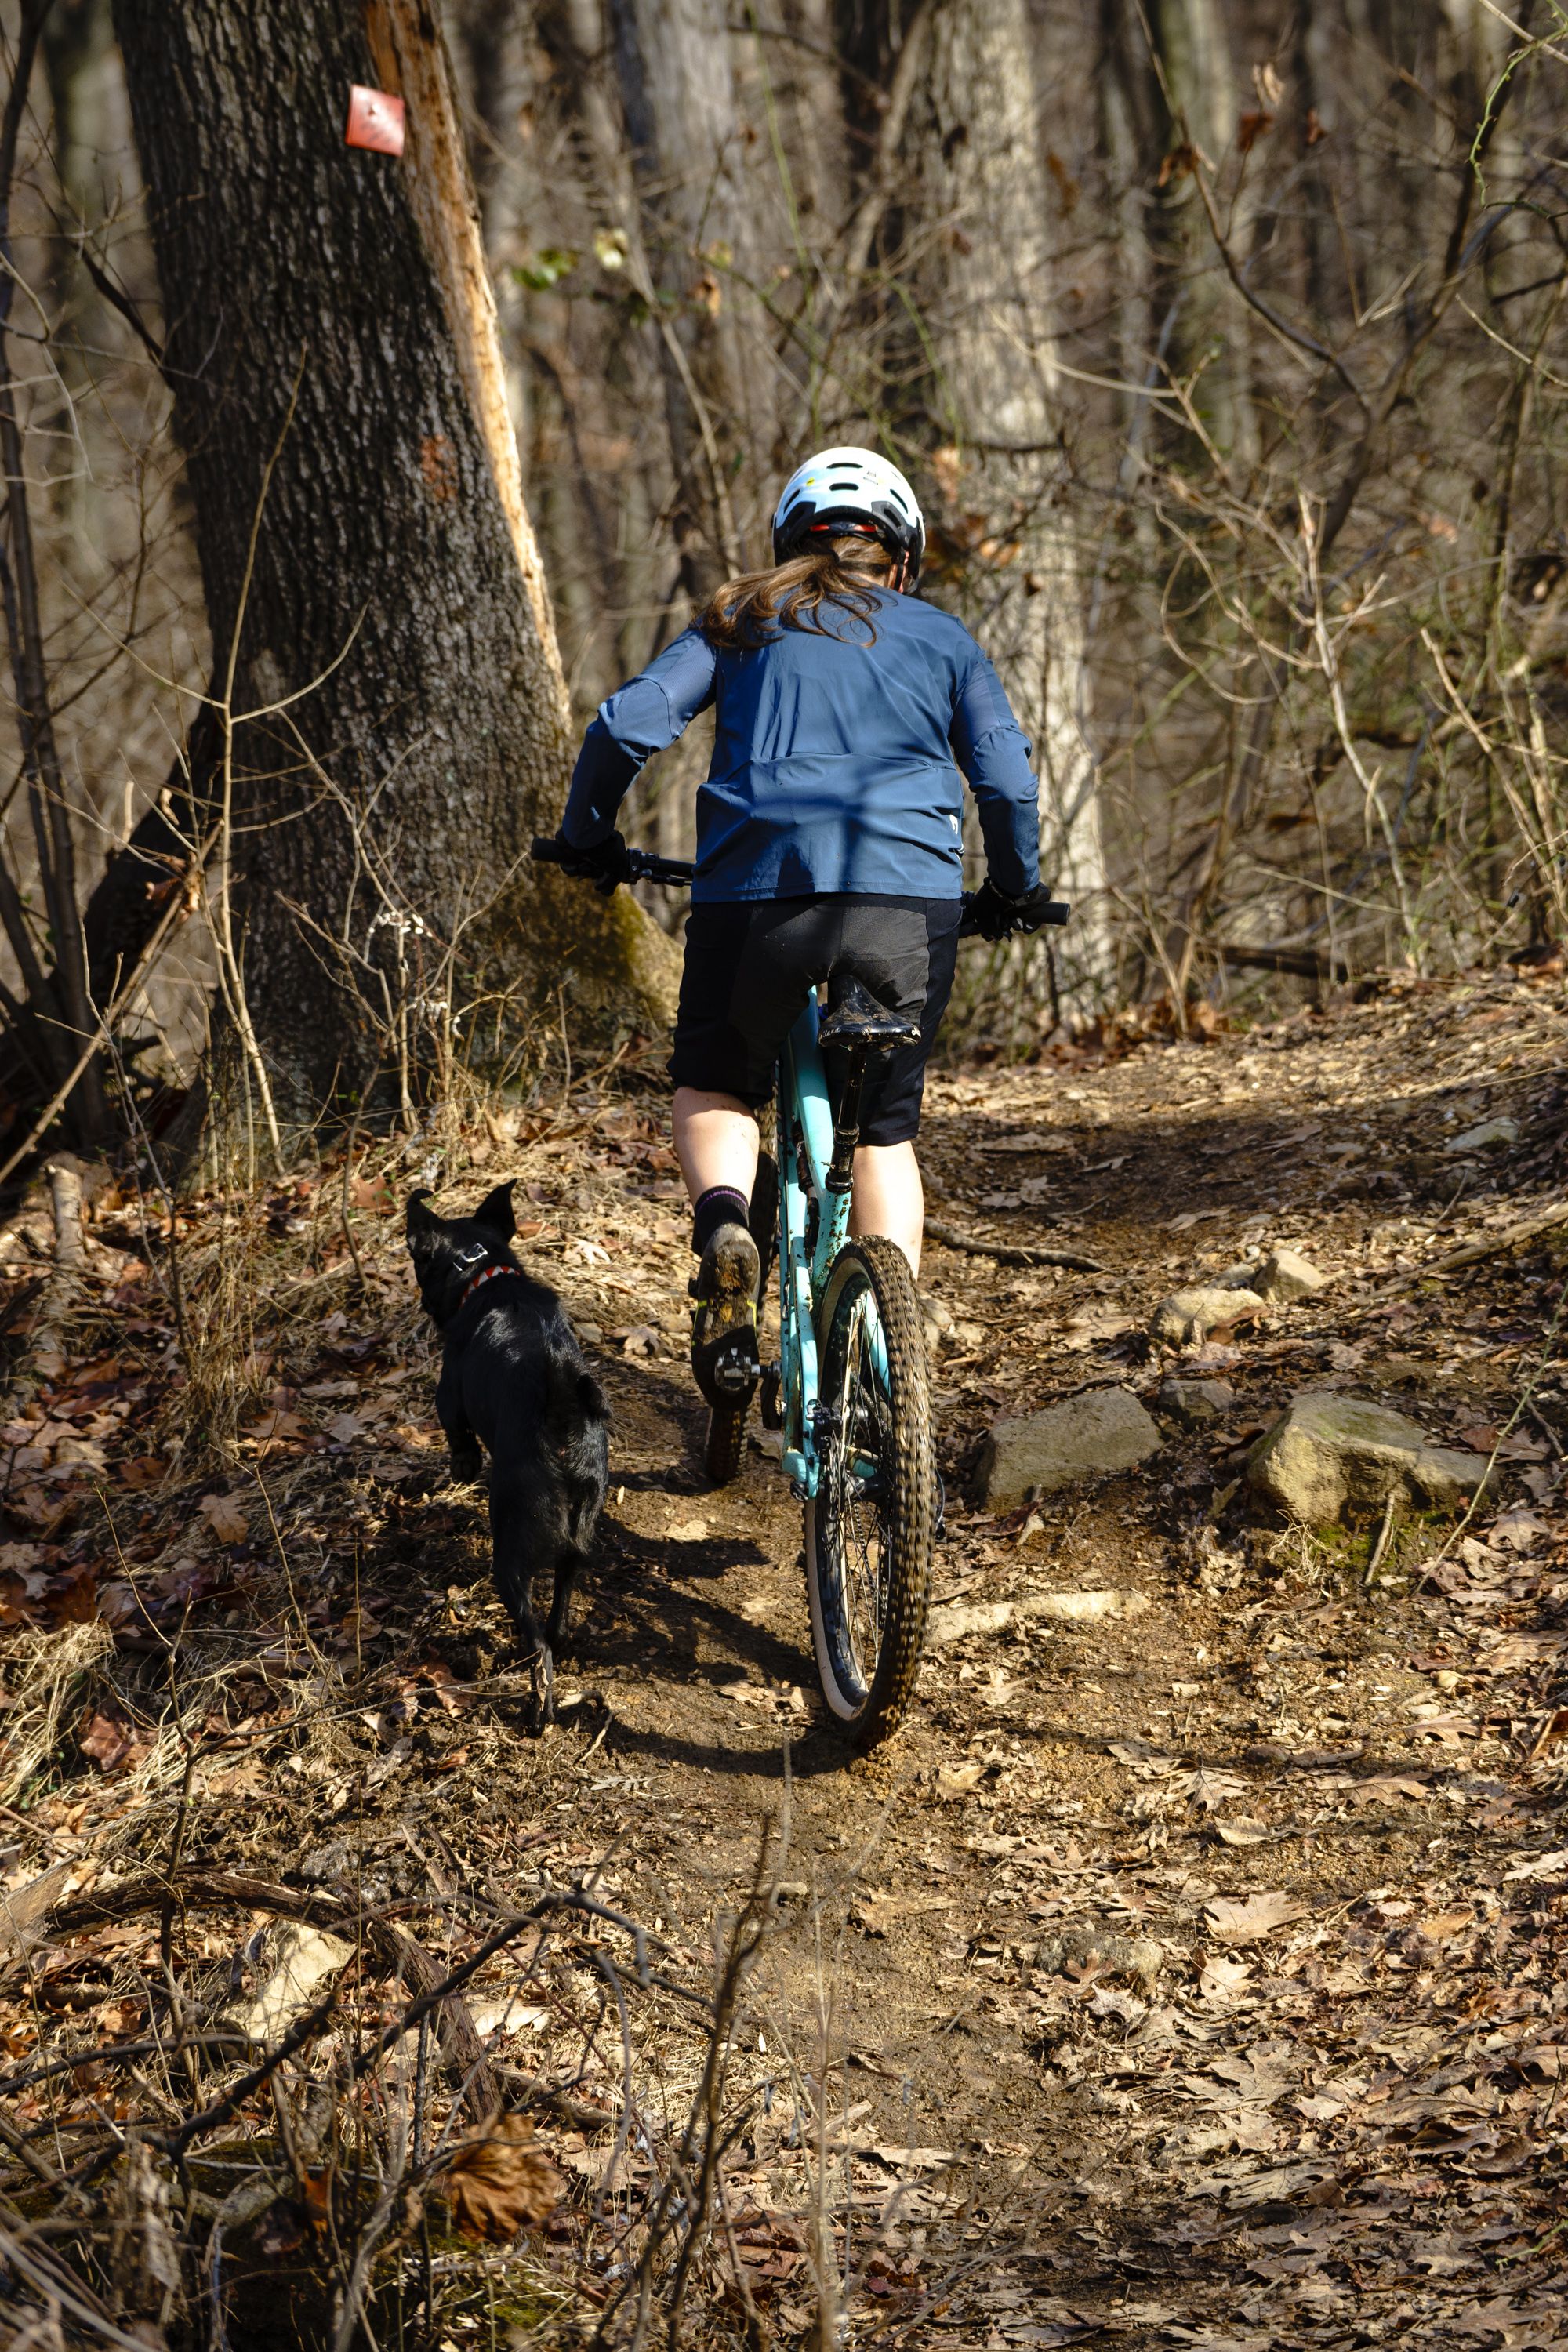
[{"x": 814, "y": 1220}]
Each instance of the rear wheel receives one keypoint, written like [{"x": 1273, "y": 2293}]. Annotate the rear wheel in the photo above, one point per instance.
[
  {"x": 724, "y": 1449},
  {"x": 869, "y": 1529}
]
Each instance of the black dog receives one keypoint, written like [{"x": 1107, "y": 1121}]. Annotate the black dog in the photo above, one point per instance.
[{"x": 514, "y": 1375}]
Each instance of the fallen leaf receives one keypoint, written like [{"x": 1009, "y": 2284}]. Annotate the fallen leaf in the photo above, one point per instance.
[
  {"x": 1443, "y": 1924},
  {"x": 444, "y": 1681},
  {"x": 1243, "y": 1920},
  {"x": 1541, "y": 1866},
  {"x": 109, "y": 1743},
  {"x": 1380, "y": 1786},
  {"x": 345, "y": 1427},
  {"x": 688, "y": 1531},
  {"x": 275, "y": 1425},
  {"x": 1209, "y": 1790},
  {"x": 1223, "y": 1979},
  {"x": 225, "y": 1517},
  {"x": 304, "y": 1958},
  {"x": 507, "y": 2017},
  {"x": 141, "y": 1471},
  {"x": 501, "y": 2181}
]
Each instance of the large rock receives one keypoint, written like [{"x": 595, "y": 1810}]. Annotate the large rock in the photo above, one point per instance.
[
  {"x": 1284, "y": 1276},
  {"x": 1491, "y": 1132},
  {"x": 1187, "y": 1316},
  {"x": 1088, "y": 1436},
  {"x": 1280, "y": 1276},
  {"x": 1328, "y": 1453},
  {"x": 1195, "y": 1402}
]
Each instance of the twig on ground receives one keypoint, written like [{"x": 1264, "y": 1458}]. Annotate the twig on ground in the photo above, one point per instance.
[
  {"x": 1492, "y": 1245},
  {"x": 1010, "y": 1253}
]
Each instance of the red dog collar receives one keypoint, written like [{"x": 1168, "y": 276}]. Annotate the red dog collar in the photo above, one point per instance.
[{"x": 488, "y": 1274}]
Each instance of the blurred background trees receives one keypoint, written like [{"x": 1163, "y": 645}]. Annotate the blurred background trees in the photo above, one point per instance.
[{"x": 1224, "y": 342}]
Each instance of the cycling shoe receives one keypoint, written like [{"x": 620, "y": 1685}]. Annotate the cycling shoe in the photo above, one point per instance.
[{"x": 724, "y": 1329}]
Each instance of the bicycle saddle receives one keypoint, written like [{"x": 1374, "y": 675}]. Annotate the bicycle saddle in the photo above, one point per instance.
[{"x": 858, "y": 1021}]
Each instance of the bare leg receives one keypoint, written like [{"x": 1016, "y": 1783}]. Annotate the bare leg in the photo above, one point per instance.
[
  {"x": 715, "y": 1141},
  {"x": 888, "y": 1197}
]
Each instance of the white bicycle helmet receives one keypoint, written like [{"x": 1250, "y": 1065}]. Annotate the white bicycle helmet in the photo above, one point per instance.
[{"x": 850, "y": 489}]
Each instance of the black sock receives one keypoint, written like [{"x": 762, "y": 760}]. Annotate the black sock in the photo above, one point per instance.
[{"x": 720, "y": 1205}]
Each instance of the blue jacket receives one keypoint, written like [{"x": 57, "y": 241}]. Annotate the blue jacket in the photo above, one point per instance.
[{"x": 835, "y": 762}]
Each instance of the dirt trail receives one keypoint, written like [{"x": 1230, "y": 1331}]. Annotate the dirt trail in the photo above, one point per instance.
[
  {"x": 1331, "y": 2131},
  {"x": 1193, "y": 1975}
]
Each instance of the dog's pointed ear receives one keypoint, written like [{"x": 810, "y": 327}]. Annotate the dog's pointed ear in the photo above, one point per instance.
[
  {"x": 422, "y": 1220},
  {"x": 495, "y": 1211}
]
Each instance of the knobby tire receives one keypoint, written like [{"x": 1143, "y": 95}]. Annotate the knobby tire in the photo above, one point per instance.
[{"x": 867, "y": 1696}]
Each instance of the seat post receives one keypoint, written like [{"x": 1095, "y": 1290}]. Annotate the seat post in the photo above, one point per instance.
[{"x": 847, "y": 1126}]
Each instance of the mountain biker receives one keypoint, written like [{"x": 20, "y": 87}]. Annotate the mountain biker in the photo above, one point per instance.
[{"x": 829, "y": 844}]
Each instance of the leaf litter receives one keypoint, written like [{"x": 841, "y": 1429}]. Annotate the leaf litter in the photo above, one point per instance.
[{"x": 1205, "y": 1968}]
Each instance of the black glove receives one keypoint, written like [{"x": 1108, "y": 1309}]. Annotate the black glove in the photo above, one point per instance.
[
  {"x": 997, "y": 917},
  {"x": 605, "y": 865}
]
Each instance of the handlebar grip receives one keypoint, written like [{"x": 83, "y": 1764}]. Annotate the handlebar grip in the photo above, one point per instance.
[
  {"x": 1057, "y": 911},
  {"x": 545, "y": 849}
]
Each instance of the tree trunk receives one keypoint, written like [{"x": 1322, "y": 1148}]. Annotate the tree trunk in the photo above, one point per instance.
[
  {"x": 1174, "y": 59},
  {"x": 376, "y": 604},
  {"x": 974, "y": 137},
  {"x": 677, "y": 90}
]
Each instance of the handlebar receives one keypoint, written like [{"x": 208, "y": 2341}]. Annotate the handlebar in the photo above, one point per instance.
[
  {"x": 1057, "y": 911},
  {"x": 643, "y": 866}
]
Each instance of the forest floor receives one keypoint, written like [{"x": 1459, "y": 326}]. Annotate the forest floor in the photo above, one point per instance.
[{"x": 1192, "y": 1975}]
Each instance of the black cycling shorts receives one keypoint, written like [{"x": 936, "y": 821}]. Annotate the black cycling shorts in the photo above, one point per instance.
[{"x": 752, "y": 963}]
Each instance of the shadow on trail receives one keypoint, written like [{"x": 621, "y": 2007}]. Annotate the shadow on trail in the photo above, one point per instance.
[{"x": 1235, "y": 1158}]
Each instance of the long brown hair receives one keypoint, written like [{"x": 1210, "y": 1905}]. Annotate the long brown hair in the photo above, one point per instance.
[{"x": 750, "y": 611}]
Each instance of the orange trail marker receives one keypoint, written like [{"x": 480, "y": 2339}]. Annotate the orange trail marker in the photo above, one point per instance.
[{"x": 376, "y": 120}]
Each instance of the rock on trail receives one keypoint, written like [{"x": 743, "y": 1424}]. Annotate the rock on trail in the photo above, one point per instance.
[
  {"x": 1239, "y": 1294},
  {"x": 1330, "y": 1452},
  {"x": 1088, "y": 1436},
  {"x": 1187, "y": 1316},
  {"x": 1281, "y": 1276},
  {"x": 1193, "y": 1403}
]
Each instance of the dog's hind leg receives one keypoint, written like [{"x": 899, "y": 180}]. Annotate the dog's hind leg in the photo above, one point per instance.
[
  {"x": 522, "y": 1538},
  {"x": 558, "y": 1629}
]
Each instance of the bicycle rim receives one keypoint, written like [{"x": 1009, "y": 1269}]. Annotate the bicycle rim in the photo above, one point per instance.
[{"x": 868, "y": 1531}]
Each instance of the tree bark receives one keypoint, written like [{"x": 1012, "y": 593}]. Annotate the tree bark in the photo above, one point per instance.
[
  {"x": 677, "y": 91},
  {"x": 55, "y": 1021},
  {"x": 1173, "y": 62},
  {"x": 973, "y": 138},
  {"x": 378, "y": 613}
]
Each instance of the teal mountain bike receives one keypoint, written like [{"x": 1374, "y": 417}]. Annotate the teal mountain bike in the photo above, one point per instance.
[{"x": 848, "y": 1394}]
